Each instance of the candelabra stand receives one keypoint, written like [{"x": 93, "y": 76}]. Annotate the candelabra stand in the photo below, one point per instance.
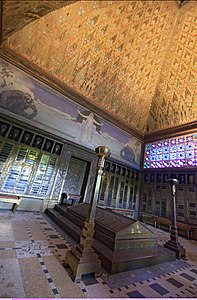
[
  {"x": 83, "y": 259},
  {"x": 173, "y": 243}
]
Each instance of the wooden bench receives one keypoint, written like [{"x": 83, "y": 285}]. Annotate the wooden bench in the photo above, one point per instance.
[
  {"x": 15, "y": 200},
  {"x": 164, "y": 221},
  {"x": 148, "y": 218},
  {"x": 187, "y": 228}
]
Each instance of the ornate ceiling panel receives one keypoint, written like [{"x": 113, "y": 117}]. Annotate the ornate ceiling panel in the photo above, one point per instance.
[
  {"x": 17, "y": 14},
  {"x": 175, "y": 98},
  {"x": 134, "y": 59},
  {"x": 109, "y": 51}
]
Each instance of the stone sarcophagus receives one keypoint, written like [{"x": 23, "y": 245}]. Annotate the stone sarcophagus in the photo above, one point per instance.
[{"x": 121, "y": 243}]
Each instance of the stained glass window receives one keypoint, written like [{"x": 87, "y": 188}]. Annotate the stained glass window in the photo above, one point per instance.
[{"x": 176, "y": 153}]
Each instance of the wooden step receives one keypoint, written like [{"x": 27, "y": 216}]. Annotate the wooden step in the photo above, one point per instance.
[
  {"x": 120, "y": 247},
  {"x": 68, "y": 226},
  {"x": 115, "y": 262},
  {"x": 62, "y": 209}
]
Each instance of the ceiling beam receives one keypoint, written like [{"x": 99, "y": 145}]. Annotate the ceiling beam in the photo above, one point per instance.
[{"x": 166, "y": 133}]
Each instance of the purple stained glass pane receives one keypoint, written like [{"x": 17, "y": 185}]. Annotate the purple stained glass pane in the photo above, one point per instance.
[
  {"x": 165, "y": 164},
  {"x": 166, "y": 143},
  {"x": 173, "y": 148},
  {"x": 191, "y": 162},
  {"x": 147, "y": 146},
  {"x": 146, "y": 165},
  {"x": 165, "y": 150},
  {"x": 181, "y": 155},
  {"x": 172, "y": 163},
  {"x": 166, "y": 156},
  {"x": 173, "y": 155},
  {"x": 190, "y": 154},
  {"x": 176, "y": 152},
  {"x": 189, "y": 138},
  {"x": 180, "y": 163},
  {"x": 189, "y": 146},
  {"x": 153, "y": 151},
  {"x": 173, "y": 142},
  {"x": 181, "y": 140},
  {"x": 181, "y": 147},
  {"x": 153, "y": 164},
  {"x": 159, "y": 150},
  {"x": 160, "y": 164},
  {"x": 159, "y": 144}
]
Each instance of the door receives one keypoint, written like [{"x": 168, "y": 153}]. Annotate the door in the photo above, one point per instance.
[{"x": 77, "y": 177}]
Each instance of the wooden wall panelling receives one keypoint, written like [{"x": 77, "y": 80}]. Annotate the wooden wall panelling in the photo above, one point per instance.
[
  {"x": 156, "y": 194},
  {"x": 119, "y": 187}
]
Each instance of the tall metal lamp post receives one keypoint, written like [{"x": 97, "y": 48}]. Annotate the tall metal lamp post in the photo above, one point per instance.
[
  {"x": 83, "y": 259},
  {"x": 173, "y": 243}
]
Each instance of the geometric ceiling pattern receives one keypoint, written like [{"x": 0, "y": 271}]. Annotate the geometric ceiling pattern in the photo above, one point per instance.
[
  {"x": 17, "y": 13},
  {"x": 175, "y": 98},
  {"x": 134, "y": 59}
]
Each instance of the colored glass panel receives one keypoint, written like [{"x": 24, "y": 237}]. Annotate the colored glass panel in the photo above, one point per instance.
[{"x": 175, "y": 152}]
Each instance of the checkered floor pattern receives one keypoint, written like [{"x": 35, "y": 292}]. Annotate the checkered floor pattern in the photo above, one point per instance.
[{"x": 32, "y": 252}]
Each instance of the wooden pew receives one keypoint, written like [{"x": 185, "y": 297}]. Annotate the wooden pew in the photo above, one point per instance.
[
  {"x": 148, "y": 218},
  {"x": 187, "y": 228},
  {"x": 162, "y": 221},
  {"x": 15, "y": 200}
]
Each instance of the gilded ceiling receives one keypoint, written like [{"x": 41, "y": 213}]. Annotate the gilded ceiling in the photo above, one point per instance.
[
  {"x": 17, "y": 14},
  {"x": 134, "y": 59},
  {"x": 175, "y": 98}
]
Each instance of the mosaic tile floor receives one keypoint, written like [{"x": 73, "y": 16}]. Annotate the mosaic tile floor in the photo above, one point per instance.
[{"x": 32, "y": 251}]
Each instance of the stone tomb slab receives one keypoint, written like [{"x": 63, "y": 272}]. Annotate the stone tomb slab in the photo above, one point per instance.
[{"x": 121, "y": 243}]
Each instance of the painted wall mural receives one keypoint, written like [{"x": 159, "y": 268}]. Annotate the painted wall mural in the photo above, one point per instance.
[{"x": 24, "y": 98}]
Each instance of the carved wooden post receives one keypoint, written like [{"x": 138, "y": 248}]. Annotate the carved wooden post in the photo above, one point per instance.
[
  {"x": 83, "y": 259},
  {"x": 173, "y": 243}
]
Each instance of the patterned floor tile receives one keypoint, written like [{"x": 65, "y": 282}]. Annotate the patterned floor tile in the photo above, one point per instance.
[
  {"x": 159, "y": 289},
  {"x": 31, "y": 249},
  {"x": 46, "y": 255},
  {"x": 174, "y": 282},
  {"x": 135, "y": 294},
  {"x": 187, "y": 276},
  {"x": 11, "y": 285}
]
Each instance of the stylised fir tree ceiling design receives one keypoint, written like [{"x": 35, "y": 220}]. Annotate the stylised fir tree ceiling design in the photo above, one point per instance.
[
  {"x": 134, "y": 59},
  {"x": 17, "y": 13},
  {"x": 175, "y": 98}
]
